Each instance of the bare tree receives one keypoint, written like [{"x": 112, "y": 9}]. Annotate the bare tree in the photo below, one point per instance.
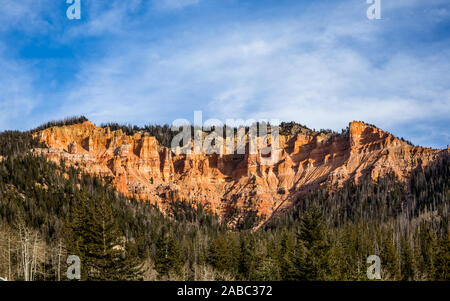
[
  {"x": 31, "y": 250},
  {"x": 7, "y": 242}
]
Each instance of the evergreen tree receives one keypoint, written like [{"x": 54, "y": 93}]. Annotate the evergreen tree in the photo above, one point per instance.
[
  {"x": 442, "y": 262},
  {"x": 248, "y": 258},
  {"x": 428, "y": 248},
  {"x": 221, "y": 254},
  {"x": 353, "y": 226},
  {"x": 389, "y": 259},
  {"x": 407, "y": 261},
  {"x": 313, "y": 239},
  {"x": 168, "y": 256},
  {"x": 76, "y": 227},
  {"x": 97, "y": 241},
  {"x": 268, "y": 270},
  {"x": 285, "y": 260}
]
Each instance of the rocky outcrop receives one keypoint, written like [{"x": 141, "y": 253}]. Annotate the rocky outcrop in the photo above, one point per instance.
[{"x": 142, "y": 168}]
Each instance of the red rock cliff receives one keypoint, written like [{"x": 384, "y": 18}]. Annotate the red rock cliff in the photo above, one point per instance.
[{"x": 141, "y": 167}]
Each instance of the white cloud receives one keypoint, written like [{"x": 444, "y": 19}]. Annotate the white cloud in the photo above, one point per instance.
[
  {"x": 174, "y": 4},
  {"x": 106, "y": 18},
  {"x": 314, "y": 69},
  {"x": 17, "y": 95},
  {"x": 263, "y": 72},
  {"x": 25, "y": 15},
  {"x": 395, "y": 4}
]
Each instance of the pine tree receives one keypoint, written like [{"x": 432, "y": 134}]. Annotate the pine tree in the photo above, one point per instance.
[
  {"x": 313, "y": 239},
  {"x": 96, "y": 239},
  {"x": 442, "y": 262},
  {"x": 268, "y": 270},
  {"x": 221, "y": 254},
  {"x": 407, "y": 261},
  {"x": 428, "y": 248},
  {"x": 168, "y": 255},
  {"x": 389, "y": 259},
  {"x": 287, "y": 267},
  {"x": 76, "y": 228},
  {"x": 248, "y": 259}
]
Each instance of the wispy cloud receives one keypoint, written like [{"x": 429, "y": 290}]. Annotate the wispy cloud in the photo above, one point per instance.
[
  {"x": 174, "y": 4},
  {"x": 18, "y": 97},
  {"x": 276, "y": 70},
  {"x": 322, "y": 66},
  {"x": 27, "y": 15}
]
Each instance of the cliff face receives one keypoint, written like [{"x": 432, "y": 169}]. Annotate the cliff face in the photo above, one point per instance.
[{"x": 141, "y": 167}]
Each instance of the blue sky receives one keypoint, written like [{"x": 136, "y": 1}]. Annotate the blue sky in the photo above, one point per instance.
[{"x": 320, "y": 63}]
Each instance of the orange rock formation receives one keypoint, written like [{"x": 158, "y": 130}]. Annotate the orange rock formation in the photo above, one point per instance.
[{"x": 141, "y": 167}]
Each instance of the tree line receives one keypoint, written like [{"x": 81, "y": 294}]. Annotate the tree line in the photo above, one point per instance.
[{"x": 49, "y": 211}]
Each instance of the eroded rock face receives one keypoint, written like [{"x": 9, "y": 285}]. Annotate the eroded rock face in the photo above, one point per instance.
[{"x": 143, "y": 168}]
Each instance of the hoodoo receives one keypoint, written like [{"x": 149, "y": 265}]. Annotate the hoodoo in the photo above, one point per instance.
[{"x": 141, "y": 167}]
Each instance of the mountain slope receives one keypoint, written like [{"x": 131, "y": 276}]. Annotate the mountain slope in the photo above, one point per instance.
[
  {"x": 233, "y": 184},
  {"x": 405, "y": 222}
]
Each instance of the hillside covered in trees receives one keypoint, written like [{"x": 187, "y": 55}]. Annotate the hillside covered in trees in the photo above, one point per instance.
[{"x": 49, "y": 211}]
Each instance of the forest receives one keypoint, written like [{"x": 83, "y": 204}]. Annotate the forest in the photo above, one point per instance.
[{"x": 49, "y": 211}]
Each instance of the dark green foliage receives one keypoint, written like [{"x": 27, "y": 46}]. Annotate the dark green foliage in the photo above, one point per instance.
[
  {"x": 248, "y": 257},
  {"x": 163, "y": 134},
  {"x": 168, "y": 256},
  {"x": 328, "y": 235},
  {"x": 428, "y": 247},
  {"x": 407, "y": 261},
  {"x": 375, "y": 218},
  {"x": 95, "y": 237},
  {"x": 313, "y": 248},
  {"x": 221, "y": 255},
  {"x": 442, "y": 262},
  {"x": 389, "y": 258},
  {"x": 64, "y": 122},
  {"x": 288, "y": 257},
  {"x": 14, "y": 143},
  {"x": 293, "y": 128}
]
